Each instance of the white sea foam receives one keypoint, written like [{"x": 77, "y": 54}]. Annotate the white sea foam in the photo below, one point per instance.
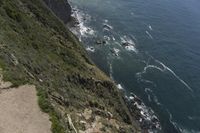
[
  {"x": 131, "y": 48},
  {"x": 119, "y": 86},
  {"x": 175, "y": 75},
  {"x": 179, "y": 127},
  {"x": 107, "y": 26},
  {"x": 85, "y": 30},
  {"x": 125, "y": 39},
  {"x": 171, "y": 121},
  {"x": 107, "y": 38},
  {"x": 81, "y": 29},
  {"x": 146, "y": 112},
  {"x": 139, "y": 74},
  {"x": 148, "y": 81},
  {"x": 148, "y": 34},
  {"x": 113, "y": 38},
  {"x": 163, "y": 69},
  {"x": 90, "y": 49},
  {"x": 153, "y": 66},
  {"x": 116, "y": 51},
  {"x": 130, "y": 44},
  {"x": 148, "y": 90},
  {"x": 150, "y": 27},
  {"x": 131, "y": 97}
]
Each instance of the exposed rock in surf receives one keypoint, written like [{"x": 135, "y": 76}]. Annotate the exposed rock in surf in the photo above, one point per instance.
[
  {"x": 90, "y": 49},
  {"x": 77, "y": 24},
  {"x": 129, "y": 46},
  {"x": 107, "y": 38},
  {"x": 107, "y": 27},
  {"x": 125, "y": 44},
  {"x": 115, "y": 51},
  {"x": 144, "y": 115},
  {"x": 100, "y": 41}
]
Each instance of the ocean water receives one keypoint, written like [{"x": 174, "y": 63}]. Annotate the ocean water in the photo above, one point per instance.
[{"x": 150, "y": 48}]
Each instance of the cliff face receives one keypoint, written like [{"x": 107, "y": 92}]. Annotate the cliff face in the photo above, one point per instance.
[
  {"x": 36, "y": 48},
  {"x": 61, "y": 8}
]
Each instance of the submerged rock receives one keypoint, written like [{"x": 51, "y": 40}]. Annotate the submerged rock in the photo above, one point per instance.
[
  {"x": 115, "y": 51},
  {"x": 100, "y": 41},
  {"x": 125, "y": 44},
  {"x": 107, "y": 27},
  {"x": 90, "y": 49}
]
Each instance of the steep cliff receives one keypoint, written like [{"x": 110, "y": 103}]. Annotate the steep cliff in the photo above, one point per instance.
[
  {"x": 61, "y": 8},
  {"x": 36, "y": 48}
]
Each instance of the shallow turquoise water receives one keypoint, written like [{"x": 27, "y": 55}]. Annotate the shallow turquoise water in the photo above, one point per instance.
[{"x": 162, "y": 64}]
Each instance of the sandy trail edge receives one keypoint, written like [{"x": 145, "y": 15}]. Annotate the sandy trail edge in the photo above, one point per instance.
[{"x": 19, "y": 111}]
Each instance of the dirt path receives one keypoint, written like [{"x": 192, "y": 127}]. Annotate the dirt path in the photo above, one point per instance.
[{"x": 19, "y": 111}]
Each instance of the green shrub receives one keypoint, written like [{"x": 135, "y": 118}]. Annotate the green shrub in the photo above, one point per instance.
[
  {"x": 43, "y": 101},
  {"x": 56, "y": 127},
  {"x": 12, "y": 13}
]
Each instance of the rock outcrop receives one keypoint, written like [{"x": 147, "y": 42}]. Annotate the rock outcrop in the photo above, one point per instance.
[{"x": 61, "y": 8}]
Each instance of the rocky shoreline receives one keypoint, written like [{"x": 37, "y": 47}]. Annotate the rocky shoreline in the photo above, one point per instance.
[{"x": 143, "y": 115}]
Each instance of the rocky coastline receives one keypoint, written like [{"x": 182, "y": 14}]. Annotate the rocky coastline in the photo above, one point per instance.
[{"x": 143, "y": 115}]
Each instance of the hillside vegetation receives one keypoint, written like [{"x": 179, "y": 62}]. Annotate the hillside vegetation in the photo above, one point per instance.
[{"x": 36, "y": 48}]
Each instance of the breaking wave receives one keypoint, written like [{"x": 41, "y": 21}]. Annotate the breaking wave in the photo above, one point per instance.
[
  {"x": 90, "y": 49},
  {"x": 128, "y": 43},
  {"x": 80, "y": 28}
]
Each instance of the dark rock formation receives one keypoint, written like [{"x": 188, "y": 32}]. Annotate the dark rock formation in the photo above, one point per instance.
[
  {"x": 99, "y": 41},
  {"x": 61, "y": 8},
  {"x": 144, "y": 115}
]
